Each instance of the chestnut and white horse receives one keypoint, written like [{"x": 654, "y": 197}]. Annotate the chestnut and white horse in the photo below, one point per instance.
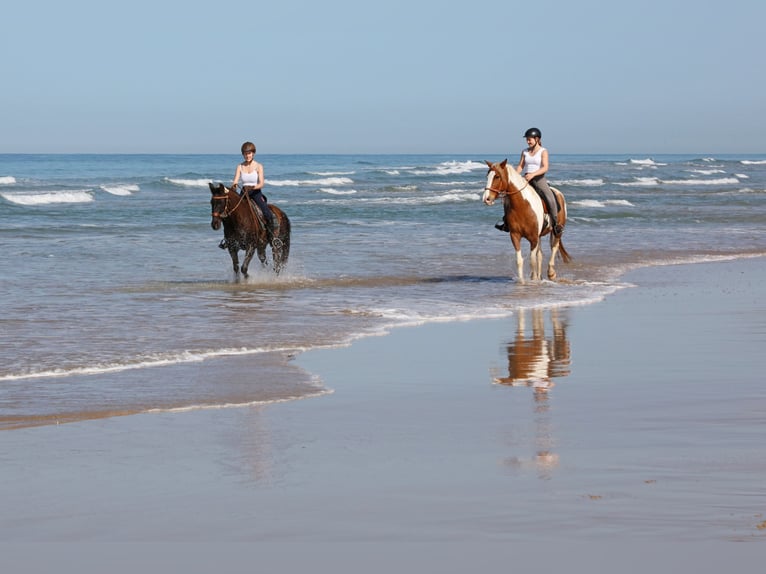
[{"x": 526, "y": 217}]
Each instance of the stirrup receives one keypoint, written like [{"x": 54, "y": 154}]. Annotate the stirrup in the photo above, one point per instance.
[
  {"x": 502, "y": 226},
  {"x": 223, "y": 244}
]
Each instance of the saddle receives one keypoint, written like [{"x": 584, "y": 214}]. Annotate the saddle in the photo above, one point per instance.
[
  {"x": 257, "y": 210},
  {"x": 545, "y": 203}
]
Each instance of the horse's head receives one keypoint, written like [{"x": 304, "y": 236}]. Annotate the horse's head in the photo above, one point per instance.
[
  {"x": 497, "y": 181},
  {"x": 219, "y": 203}
]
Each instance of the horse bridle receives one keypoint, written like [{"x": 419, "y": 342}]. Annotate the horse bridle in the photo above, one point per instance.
[
  {"x": 226, "y": 212},
  {"x": 505, "y": 192}
]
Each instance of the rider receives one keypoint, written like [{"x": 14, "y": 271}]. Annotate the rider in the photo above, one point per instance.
[
  {"x": 251, "y": 174},
  {"x": 533, "y": 165}
]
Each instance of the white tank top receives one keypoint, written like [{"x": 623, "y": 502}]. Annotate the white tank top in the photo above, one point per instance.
[
  {"x": 249, "y": 178},
  {"x": 533, "y": 162}
]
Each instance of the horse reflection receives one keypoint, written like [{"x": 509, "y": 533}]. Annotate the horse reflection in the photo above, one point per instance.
[{"x": 534, "y": 360}]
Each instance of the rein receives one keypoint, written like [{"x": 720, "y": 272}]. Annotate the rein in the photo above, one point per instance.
[
  {"x": 505, "y": 192},
  {"x": 226, "y": 211}
]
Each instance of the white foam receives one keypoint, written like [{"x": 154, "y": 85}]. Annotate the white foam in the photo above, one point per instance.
[
  {"x": 741, "y": 176},
  {"x": 450, "y": 197},
  {"x": 127, "y": 189},
  {"x": 451, "y": 168},
  {"x": 641, "y": 182},
  {"x": 333, "y": 191},
  {"x": 706, "y": 171},
  {"x": 48, "y": 198},
  {"x": 602, "y": 203},
  {"x": 7, "y": 180},
  {"x": 580, "y": 182},
  {"x": 152, "y": 361},
  {"x": 753, "y": 162},
  {"x": 331, "y": 173},
  {"x": 648, "y": 162},
  {"x": 327, "y": 181},
  {"x": 445, "y": 183},
  {"x": 719, "y": 181},
  {"x": 189, "y": 182}
]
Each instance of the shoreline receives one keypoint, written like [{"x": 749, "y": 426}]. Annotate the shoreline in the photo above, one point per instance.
[{"x": 650, "y": 434}]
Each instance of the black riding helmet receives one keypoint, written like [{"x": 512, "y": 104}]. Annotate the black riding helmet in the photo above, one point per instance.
[{"x": 533, "y": 133}]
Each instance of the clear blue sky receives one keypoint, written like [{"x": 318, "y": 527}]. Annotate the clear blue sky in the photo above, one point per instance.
[{"x": 336, "y": 76}]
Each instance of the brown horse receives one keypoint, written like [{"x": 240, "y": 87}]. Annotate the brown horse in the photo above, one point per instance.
[
  {"x": 526, "y": 216},
  {"x": 244, "y": 228}
]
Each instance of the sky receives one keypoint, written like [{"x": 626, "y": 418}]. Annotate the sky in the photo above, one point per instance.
[{"x": 337, "y": 76}]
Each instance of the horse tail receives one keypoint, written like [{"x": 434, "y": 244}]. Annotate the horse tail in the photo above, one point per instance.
[
  {"x": 286, "y": 239},
  {"x": 565, "y": 257},
  {"x": 280, "y": 245}
]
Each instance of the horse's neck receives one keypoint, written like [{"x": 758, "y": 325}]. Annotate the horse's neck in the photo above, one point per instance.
[
  {"x": 239, "y": 206},
  {"x": 514, "y": 178},
  {"x": 246, "y": 215}
]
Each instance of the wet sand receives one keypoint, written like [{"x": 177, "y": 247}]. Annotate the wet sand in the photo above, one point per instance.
[{"x": 627, "y": 434}]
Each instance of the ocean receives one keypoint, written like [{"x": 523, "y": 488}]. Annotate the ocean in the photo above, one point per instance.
[{"x": 116, "y": 299}]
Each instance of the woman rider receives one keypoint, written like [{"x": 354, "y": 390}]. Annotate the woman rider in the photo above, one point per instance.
[
  {"x": 533, "y": 165},
  {"x": 251, "y": 174}
]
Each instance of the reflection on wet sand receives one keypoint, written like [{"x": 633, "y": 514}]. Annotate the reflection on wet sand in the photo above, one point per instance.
[{"x": 534, "y": 360}]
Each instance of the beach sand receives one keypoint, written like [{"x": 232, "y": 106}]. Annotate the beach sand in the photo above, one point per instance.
[{"x": 626, "y": 435}]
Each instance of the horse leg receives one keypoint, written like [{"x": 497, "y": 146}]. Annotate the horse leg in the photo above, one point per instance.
[
  {"x": 536, "y": 262},
  {"x": 555, "y": 241},
  {"x": 234, "y": 258},
  {"x": 249, "y": 252},
  {"x": 516, "y": 240},
  {"x": 262, "y": 254}
]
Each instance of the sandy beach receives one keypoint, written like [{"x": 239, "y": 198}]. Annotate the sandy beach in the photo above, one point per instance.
[{"x": 628, "y": 433}]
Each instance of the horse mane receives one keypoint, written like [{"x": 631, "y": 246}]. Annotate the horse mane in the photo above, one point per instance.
[{"x": 515, "y": 177}]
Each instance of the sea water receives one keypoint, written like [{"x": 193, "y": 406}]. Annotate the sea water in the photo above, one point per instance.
[{"x": 116, "y": 299}]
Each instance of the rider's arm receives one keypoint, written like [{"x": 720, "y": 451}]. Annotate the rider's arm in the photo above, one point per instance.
[
  {"x": 236, "y": 175},
  {"x": 521, "y": 163},
  {"x": 261, "y": 181}
]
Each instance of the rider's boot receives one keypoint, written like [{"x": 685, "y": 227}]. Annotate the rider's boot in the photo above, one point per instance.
[
  {"x": 502, "y": 226},
  {"x": 556, "y": 229}
]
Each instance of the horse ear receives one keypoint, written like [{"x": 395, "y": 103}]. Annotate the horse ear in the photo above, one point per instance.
[
  {"x": 504, "y": 163},
  {"x": 489, "y": 163},
  {"x": 211, "y": 186}
]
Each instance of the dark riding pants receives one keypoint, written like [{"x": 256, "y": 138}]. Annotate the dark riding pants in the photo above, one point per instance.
[
  {"x": 544, "y": 190},
  {"x": 260, "y": 201}
]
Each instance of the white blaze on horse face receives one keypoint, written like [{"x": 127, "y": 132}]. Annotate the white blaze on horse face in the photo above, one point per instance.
[{"x": 486, "y": 199}]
